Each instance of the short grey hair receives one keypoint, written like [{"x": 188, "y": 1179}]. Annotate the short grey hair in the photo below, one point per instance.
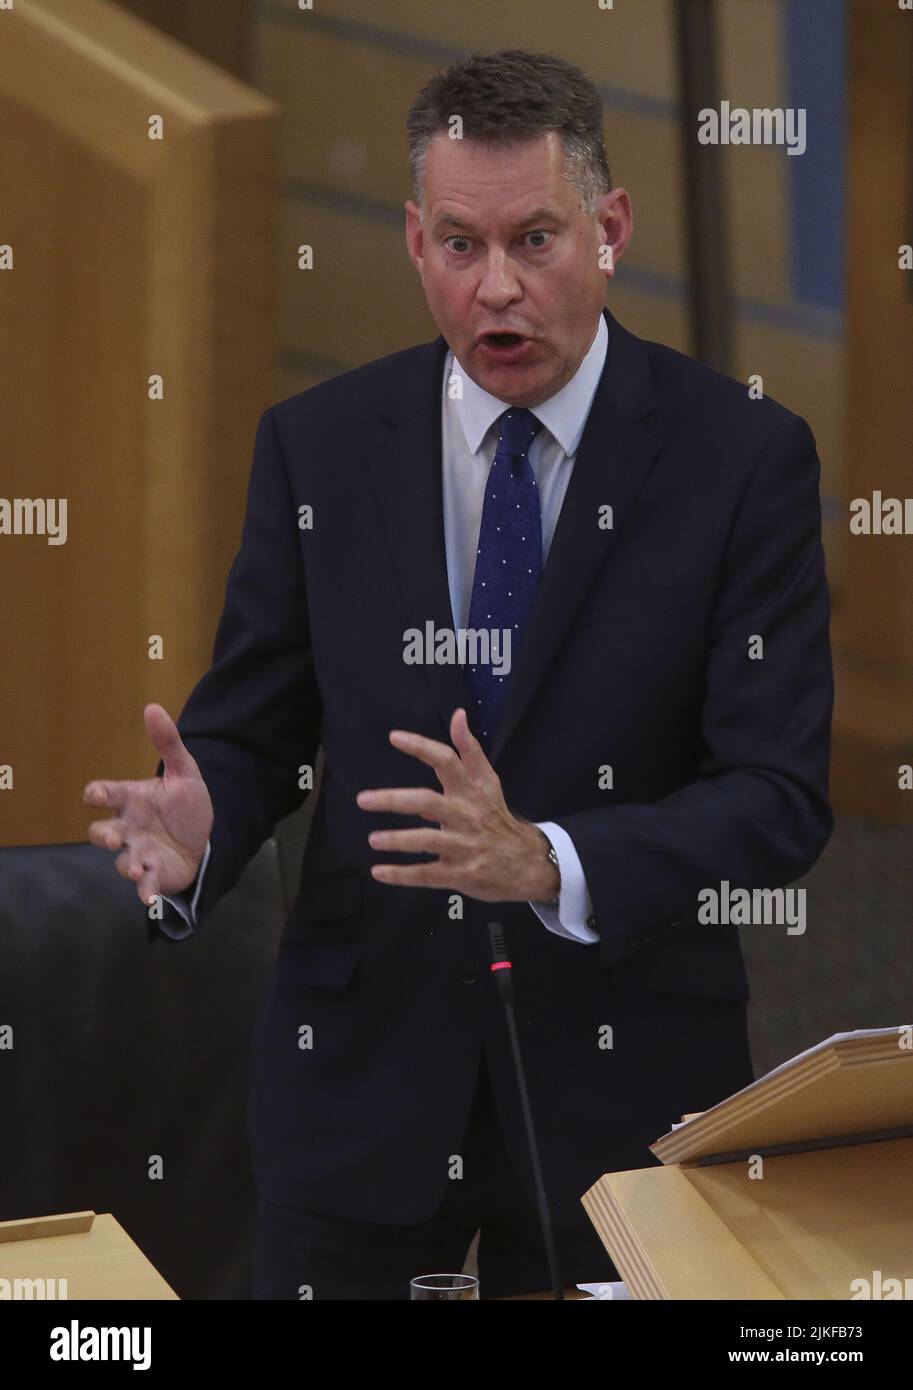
[{"x": 510, "y": 96}]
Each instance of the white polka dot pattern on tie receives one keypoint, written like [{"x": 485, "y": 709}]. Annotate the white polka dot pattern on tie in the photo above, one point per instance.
[{"x": 508, "y": 557}]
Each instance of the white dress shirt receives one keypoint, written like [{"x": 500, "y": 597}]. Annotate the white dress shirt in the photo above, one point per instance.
[
  {"x": 469, "y": 437},
  {"x": 469, "y": 418}
]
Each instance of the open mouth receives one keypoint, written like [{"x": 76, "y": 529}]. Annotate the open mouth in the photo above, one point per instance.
[
  {"x": 506, "y": 348},
  {"x": 504, "y": 339}
]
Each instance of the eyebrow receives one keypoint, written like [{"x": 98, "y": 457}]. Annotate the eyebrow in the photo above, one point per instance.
[{"x": 543, "y": 214}]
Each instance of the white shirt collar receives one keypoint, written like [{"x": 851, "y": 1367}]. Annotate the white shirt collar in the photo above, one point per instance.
[{"x": 563, "y": 415}]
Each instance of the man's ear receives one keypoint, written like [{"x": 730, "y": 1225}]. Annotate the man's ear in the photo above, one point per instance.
[
  {"x": 415, "y": 235},
  {"x": 616, "y": 215}
]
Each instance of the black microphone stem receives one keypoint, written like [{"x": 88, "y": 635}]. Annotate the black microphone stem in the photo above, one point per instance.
[{"x": 503, "y": 973}]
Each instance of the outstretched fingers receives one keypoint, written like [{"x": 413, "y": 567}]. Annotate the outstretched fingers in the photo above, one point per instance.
[
  {"x": 143, "y": 870},
  {"x": 111, "y": 795},
  {"x": 108, "y": 834}
]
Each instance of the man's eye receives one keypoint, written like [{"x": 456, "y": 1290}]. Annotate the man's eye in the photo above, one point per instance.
[
  {"x": 448, "y": 241},
  {"x": 537, "y": 245}
]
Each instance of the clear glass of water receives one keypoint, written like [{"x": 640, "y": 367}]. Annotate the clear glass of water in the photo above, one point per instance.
[{"x": 448, "y": 1286}]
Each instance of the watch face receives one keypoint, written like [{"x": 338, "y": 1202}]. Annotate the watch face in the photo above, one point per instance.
[{"x": 553, "y": 902}]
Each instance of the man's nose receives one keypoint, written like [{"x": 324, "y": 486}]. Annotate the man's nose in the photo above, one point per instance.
[{"x": 500, "y": 283}]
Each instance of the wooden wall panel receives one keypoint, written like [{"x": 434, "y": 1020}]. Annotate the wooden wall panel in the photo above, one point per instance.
[
  {"x": 219, "y": 30},
  {"x": 610, "y": 44},
  {"x": 874, "y": 630},
  {"x": 132, "y": 257}
]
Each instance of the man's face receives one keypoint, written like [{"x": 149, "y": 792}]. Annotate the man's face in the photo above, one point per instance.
[{"x": 505, "y": 247}]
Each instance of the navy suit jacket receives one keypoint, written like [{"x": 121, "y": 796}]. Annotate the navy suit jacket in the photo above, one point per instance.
[{"x": 636, "y": 659}]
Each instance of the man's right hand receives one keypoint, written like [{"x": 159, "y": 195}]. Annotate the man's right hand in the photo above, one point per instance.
[{"x": 161, "y": 824}]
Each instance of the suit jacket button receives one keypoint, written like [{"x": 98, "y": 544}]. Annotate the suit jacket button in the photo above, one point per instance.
[
  {"x": 591, "y": 922},
  {"x": 469, "y": 978}
]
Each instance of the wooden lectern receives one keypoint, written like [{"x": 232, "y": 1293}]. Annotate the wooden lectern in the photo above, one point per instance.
[
  {"x": 797, "y": 1187},
  {"x": 75, "y": 1256}
]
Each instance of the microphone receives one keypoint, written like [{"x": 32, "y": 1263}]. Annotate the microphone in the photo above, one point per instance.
[{"x": 502, "y": 970}]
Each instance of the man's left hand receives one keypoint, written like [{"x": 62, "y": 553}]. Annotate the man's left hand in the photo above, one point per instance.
[{"x": 483, "y": 849}]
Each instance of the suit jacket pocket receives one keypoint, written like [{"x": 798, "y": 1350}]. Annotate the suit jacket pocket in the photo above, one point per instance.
[{"x": 327, "y": 911}]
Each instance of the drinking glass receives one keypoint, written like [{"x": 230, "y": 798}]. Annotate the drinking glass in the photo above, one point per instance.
[{"x": 444, "y": 1286}]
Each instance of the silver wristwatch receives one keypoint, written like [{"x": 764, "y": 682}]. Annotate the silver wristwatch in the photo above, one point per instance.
[{"x": 553, "y": 902}]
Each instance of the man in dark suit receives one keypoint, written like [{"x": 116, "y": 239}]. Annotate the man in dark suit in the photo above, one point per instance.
[{"x": 552, "y": 599}]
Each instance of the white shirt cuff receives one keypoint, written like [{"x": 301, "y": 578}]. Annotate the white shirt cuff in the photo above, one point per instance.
[
  {"x": 569, "y": 918},
  {"x": 179, "y": 902}
]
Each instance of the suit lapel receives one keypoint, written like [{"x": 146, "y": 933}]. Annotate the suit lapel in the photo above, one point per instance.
[
  {"x": 407, "y": 477},
  {"x": 613, "y": 459}
]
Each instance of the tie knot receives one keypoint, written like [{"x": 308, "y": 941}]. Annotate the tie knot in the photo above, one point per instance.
[{"x": 517, "y": 428}]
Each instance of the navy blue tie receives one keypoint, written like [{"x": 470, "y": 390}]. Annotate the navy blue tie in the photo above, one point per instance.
[{"x": 508, "y": 566}]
